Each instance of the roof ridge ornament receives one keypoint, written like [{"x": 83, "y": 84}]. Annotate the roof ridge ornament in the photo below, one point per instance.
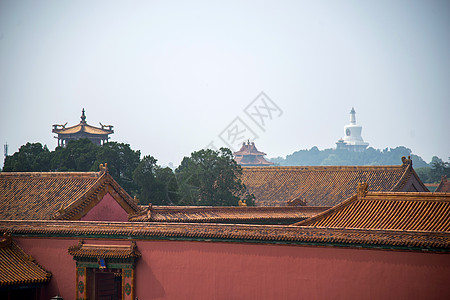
[
  {"x": 362, "y": 190},
  {"x": 103, "y": 168},
  {"x": 7, "y": 239},
  {"x": 406, "y": 161},
  {"x": 83, "y": 117}
]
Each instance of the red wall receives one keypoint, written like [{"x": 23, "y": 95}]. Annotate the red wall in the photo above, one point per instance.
[
  {"x": 106, "y": 210},
  {"x": 206, "y": 270}
]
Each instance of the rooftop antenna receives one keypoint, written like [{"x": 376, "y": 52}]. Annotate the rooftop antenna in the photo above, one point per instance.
[{"x": 5, "y": 148}]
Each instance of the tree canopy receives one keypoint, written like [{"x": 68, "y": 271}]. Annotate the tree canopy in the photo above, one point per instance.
[
  {"x": 434, "y": 173},
  {"x": 333, "y": 157},
  {"x": 79, "y": 155},
  {"x": 156, "y": 185},
  {"x": 31, "y": 157},
  {"x": 212, "y": 178},
  {"x": 205, "y": 178}
]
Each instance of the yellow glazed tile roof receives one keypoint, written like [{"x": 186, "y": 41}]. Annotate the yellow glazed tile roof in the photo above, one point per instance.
[
  {"x": 388, "y": 211},
  {"x": 104, "y": 251},
  {"x": 231, "y": 214},
  {"x": 18, "y": 268},
  {"x": 210, "y": 232},
  {"x": 55, "y": 195},
  {"x": 323, "y": 186},
  {"x": 82, "y": 128}
]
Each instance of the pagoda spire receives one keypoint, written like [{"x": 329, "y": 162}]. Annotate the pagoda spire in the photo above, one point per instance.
[
  {"x": 352, "y": 116},
  {"x": 83, "y": 117}
]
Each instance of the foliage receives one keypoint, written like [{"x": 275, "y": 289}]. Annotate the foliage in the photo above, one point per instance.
[
  {"x": 78, "y": 155},
  {"x": 212, "y": 178},
  {"x": 155, "y": 184},
  {"x": 121, "y": 160},
  {"x": 32, "y": 157},
  {"x": 333, "y": 157},
  {"x": 434, "y": 173}
]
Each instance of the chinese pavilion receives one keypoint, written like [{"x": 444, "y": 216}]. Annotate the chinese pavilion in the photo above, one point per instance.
[
  {"x": 249, "y": 156},
  {"x": 97, "y": 135}
]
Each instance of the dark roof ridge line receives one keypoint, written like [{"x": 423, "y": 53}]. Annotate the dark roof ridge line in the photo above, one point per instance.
[
  {"x": 321, "y": 168},
  {"x": 50, "y": 174},
  {"x": 411, "y": 240},
  {"x": 330, "y": 211}
]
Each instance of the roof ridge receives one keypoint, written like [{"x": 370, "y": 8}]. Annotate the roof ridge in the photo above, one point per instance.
[
  {"x": 321, "y": 168},
  {"x": 408, "y": 196},
  {"x": 414, "y": 240},
  {"x": 333, "y": 209},
  {"x": 49, "y": 174}
]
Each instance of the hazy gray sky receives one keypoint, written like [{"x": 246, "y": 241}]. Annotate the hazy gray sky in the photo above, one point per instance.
[{"x": 174, "y": 76}]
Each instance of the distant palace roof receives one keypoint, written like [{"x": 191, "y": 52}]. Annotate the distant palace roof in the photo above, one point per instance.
[
  {"x": 17, "y": 267},
  {"x": 326, "y": 186},
  {"x": 388, "y": 211},
  {"x": 82, "y": 131},
  {"x": 82, "y": 127},
  {"x": 57, "y": 195},
  {"x": 230, "y": 214},
  {"x": 248, "y": 155},
  {"x": 444, "y": 186}
]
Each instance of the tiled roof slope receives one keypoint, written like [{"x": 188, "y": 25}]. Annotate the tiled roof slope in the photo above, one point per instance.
[
  {"x": 325, "y": 185},
  {"x": 207, "y": 232},
  {"x": 388, "y": 211},
  {"x": 55, "y": 195},
  {"x": 444, "y": 186},
  {"x": 104, "y": 251},
  {"x": 18, "y": 268},
  {"x": 82, "y": 128},
  {"x": 236, "y": 214}
]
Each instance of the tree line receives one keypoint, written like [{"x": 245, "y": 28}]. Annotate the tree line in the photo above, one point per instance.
[
  {"x": 428, "y": 173},
  {"x": 343, "y": 157},
  {"x": 207, "y": 177}
]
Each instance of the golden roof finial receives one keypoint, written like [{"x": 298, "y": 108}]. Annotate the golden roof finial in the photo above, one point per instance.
[
  {"x": 103, "y": 167},
  {"x": 362, "y": 190}
]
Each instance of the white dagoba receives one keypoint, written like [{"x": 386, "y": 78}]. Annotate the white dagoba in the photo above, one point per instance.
[{"x": 353, "y": 140}]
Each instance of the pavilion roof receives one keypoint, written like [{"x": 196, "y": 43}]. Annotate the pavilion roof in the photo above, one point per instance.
[
  {"x": 17, "y": 267},
  {"x": 83, "y": 128},
  {"x": 249, "y": 149},
  {"x": 252, "y": 161}
]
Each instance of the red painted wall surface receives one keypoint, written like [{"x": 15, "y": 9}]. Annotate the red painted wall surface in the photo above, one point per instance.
[
  {"x": 52, "y": 255},
  {"x": 106, "y": 210},
  {"x": 206, "y": 270}
]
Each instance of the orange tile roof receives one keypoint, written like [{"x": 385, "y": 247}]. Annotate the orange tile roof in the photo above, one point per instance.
[
  {"x": 248, "y": 155},
  {"x": 104, "y": 251},
  {"x": 17, "y": 267},
  {"x": 208, "y": 232},
  {"x": 233, "y": 214},
  {"x": 60, "y": 195},
  {"x": 388, "y": 211},
  {"x": 325, "y": 186},
  {"x": 444, "y": 186},
  {"x": 82, "y": 128}
]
